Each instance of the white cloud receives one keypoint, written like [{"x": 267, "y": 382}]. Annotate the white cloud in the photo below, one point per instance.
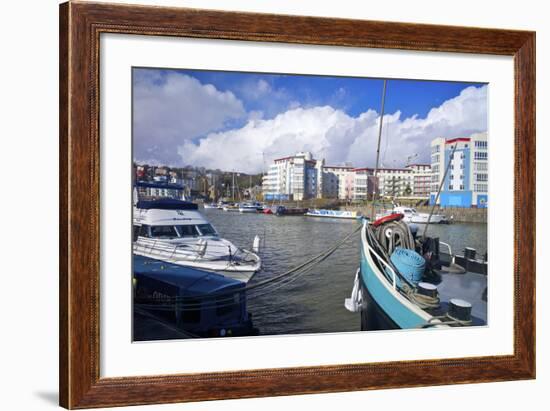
[
  {"x": 332, "y": 134},
  {"x": 173, "y": 108}
]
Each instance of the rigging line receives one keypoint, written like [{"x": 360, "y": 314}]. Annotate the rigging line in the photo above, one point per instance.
[
  {"x": 311, "y": 262},
  {"x": 229, "y": 301}
]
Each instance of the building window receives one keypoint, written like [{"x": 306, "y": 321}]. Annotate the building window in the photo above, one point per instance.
[
  {"x": 480, "y": 155},
  {"x": 462, "y": 186},
  {"x": 481, "y": 144},
  {"x": 450, "y": 186}
]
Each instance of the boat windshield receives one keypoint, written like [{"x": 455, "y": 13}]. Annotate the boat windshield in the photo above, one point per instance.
[
  {"x": 187, "y": 230},
  {"x": 179, "y": 231},
  {"x": 163, "y": 231},
  {"x": 206, "y": 229}
]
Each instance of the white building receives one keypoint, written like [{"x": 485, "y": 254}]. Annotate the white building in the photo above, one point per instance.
[
  {"x": 422, "y": 176},
  {"x": 466, "y": 183},
  {"x": 297, "y": 177},
  {"x": 395, "y": 182},
  {"x": 338, "y": 182},
  {"x": 363, "y": 183},
  {"x": 411, "y": 182},
  {"x": 302, "y": 177}
]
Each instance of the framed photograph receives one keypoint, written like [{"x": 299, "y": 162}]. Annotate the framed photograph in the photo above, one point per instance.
[{"x": 259, "y": 205}]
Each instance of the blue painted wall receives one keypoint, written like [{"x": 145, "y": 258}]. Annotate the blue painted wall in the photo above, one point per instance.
[{"x": 455, "y": 199}]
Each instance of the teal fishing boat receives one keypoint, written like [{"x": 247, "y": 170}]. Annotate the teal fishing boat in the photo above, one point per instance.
[{"x": 404, "y": 282}]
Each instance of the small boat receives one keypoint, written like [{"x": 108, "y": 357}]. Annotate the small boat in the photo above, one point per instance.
[
  {"x": 282, "y": 210},
  {"x": 201, "y": 303},
  {"x": 333, "y": 213},
  {"x": 249, "y": 207},
  {"x": 414, "y": 217},
  {"x": 268, "y": 210},
  {"x": 222, "y": 204},
  {"x": 210, "y": 205},
  {"x": 175, "y": 232},
  {"x": 400, "y": 284},
  {"x": 231, "y": 207}
]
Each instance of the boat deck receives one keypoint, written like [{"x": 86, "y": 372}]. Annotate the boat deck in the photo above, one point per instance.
[{"x": 470, "y": 287}]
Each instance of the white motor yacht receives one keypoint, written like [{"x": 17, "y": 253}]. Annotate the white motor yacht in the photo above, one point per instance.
[{"x": 174, "y": 231}]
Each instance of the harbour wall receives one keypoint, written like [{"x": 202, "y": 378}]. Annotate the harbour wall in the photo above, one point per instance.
[{"x": 459, "y": 215}]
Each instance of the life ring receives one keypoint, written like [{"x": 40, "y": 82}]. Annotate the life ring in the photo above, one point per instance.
[{"x": 388, "y": 219}]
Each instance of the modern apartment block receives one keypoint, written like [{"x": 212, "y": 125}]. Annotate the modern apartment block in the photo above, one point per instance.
[
  {"x": 301, "y": 177},
  {"x": 297, "y": 177},
  {"x": 338, "y": 182},
  {"x": 412, "y": 181},
  {"x": 466, "y": 183},
  {"x": 422, "y": 178}
]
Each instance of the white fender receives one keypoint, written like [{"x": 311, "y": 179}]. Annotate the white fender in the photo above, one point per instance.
[
  {"x": 355, "y": 303},
  {"x": 256, "y": 244}
]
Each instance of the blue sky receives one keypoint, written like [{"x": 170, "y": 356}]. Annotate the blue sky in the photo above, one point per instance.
[
  {"x": 351, "y": 94},
  {"x": 191, "y": 110}
]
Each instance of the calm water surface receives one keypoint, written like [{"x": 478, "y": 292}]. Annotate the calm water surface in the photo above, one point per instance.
[{"x": 315, "y": 301}]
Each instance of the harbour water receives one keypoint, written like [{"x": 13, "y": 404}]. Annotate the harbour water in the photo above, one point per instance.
[{"x": 314, "y": 303}]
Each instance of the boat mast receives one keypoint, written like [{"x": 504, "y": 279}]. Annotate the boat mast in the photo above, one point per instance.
[
  {"x": 233, "y": 186},
  {"x": 375, "y": 184}
]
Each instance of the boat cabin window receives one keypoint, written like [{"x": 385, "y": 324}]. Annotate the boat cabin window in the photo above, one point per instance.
[
  {"x": 163, "y": 231},
  {"x": 174, "y": 231},
  {"x": 206, "y": 229},
  {"x": 136, "y": 231},
  {"x": 187, "y": 230}
]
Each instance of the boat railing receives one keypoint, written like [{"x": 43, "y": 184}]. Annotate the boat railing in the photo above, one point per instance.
[
  {"x": 448, "y": 247},
  {"x": 216, "y": 250}
]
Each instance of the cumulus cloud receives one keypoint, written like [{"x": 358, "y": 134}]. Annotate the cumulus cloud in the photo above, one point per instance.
[
  {"x": 334, "y": 135},
  {"x": 172, "y": 108}
]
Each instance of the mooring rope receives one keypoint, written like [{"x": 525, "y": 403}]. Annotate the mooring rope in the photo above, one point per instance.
[{"x": 269, "y": 284}]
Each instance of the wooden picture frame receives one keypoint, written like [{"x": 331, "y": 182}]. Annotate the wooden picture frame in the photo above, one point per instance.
[{"x": 80, "y": 27}]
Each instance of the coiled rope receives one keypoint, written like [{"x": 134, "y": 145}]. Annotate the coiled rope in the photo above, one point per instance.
[{"x": 395, "y": 234}]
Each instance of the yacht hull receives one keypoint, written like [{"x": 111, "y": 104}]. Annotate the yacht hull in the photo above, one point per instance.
[{"x": 237, "y": 269}]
